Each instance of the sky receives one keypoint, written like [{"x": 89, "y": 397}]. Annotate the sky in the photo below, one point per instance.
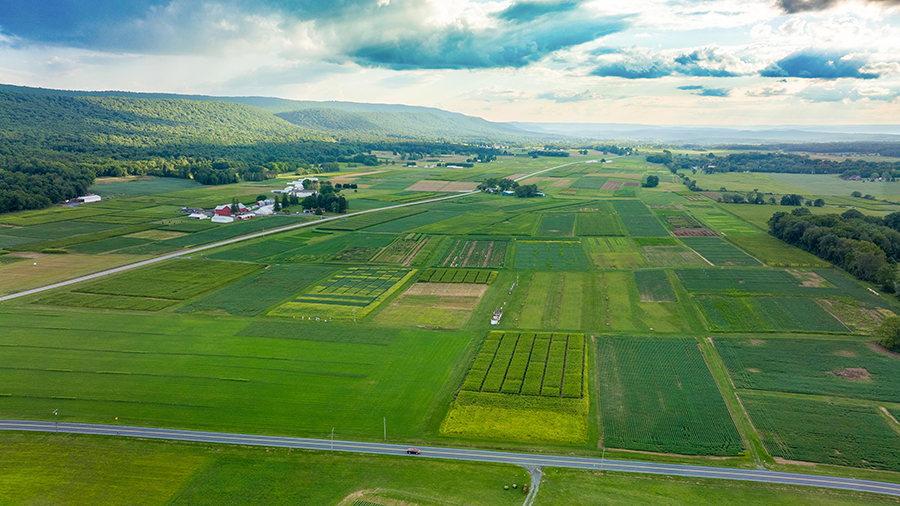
[{"x": 666, "y": 62}]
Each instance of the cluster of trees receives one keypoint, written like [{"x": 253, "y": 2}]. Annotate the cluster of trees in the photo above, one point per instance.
[
  {"x": 34, "y": 184},
  {"x": 616, "y": 150},
  {"x": 866, "y": 246},
  {"x": 651, "y": 182},
  {"x": 773, "y": 162},
  {"x": 503, "y": 184},
  {"x": 526, "y": 191},
  {"x": 548, "y": 152},
  {"x": 328, "y": 199}
]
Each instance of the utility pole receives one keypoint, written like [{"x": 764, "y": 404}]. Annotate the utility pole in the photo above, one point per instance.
[
  {"x": 332, "y": 440},
  {"x": 56, "y": 421},
  {"x": 385, "y": 429},
  {"x": 602, "y": 456}
]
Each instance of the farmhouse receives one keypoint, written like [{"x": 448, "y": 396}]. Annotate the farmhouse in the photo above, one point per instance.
[
  {"x": 87, "y": 199},
  {"x": 222, "y": 219}
]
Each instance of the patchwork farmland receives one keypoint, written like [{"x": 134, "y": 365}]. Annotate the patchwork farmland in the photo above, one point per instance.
[{"x": 600, "y": 319}]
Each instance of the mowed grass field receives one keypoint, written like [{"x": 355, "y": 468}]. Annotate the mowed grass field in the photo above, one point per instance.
[
  {"x": 571, "y": 487},
  {"x": 99, "y": 471},
  {"x": 208, "y": 373},
  {"x": 658, "y": 395}
]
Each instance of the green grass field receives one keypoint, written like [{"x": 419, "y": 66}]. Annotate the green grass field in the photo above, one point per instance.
[
  {"x": 86, "y": 470},
  {"x": 571, "y": 487},
  {"x": 550, "y": 255},
  {"x": 195, "y": 372},
  {"x": 557, "y": 225},
  {"x": 776, "y": 253},
  {"x": 767, "y": 314},
  {"x": 658, "y": 395},
  {"x": 719, "y": 252},
  {"x": 256, "y": 293}
]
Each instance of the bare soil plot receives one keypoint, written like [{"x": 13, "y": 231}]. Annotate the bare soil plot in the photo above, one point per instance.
[
  {"x": 612, "y": 185},
  {"x": 427, "y": 186},
  {"x": 433, "y": 305},
  {"x": 561, "y": 183},
  {"x": 631, "y": 184},
  {"x": 460, "y": 186}
]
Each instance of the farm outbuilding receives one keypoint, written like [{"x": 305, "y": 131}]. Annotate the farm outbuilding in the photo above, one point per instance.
[
  {"x": 222, "y": 219},
  {"x": 198, "y": 216},
  {"x": 87, "y": 199},
  {"x": 225, "y": 209}
]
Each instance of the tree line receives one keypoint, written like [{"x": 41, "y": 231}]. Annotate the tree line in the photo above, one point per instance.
[{"x": 866, "y": 246}]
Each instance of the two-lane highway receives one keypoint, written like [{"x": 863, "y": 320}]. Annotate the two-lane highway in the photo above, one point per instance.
[{"x": 435, "y": 452}]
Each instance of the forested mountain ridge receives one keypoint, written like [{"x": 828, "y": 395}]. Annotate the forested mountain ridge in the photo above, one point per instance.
[
  {"x": 141, "y": 122},
  {"x": 347, "y": 120},
  {"x": 392, "y": 124}
]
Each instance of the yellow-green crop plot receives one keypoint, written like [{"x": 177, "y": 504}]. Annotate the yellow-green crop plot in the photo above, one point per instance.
[{"x": 350, "y": 294}]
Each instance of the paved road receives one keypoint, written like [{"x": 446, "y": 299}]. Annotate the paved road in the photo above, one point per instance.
[
  {"x": 247, "y": 237},
  {"x": 521, "y": 459}
]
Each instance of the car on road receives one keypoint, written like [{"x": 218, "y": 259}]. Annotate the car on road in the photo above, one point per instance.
[{"x": 413, "y": 451}]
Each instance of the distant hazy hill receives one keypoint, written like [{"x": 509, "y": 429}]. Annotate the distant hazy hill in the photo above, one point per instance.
[
  {"x": 345, "y": 120},
  {"x": 717, "y": 135}
]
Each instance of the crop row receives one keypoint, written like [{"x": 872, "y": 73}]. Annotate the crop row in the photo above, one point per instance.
[
  {"x": 400, "y": 251},
  {"x": 658, "y": 395},
  {"x": 481, "y": 253},
  {"x": 638, "y": 220},
  {"x": 474, "y": 276},
  {"x": 536, "y": 364}
]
